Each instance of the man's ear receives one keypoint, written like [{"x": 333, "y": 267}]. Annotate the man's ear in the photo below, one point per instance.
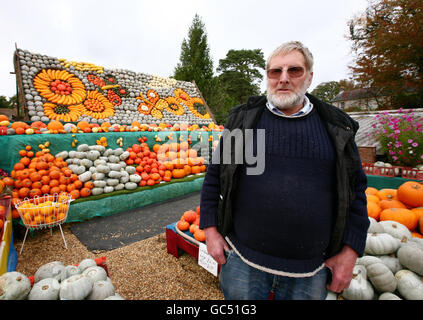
[{"x": 311, "y": 78}]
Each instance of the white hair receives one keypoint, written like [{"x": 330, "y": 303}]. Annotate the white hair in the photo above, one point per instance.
[{"x": 287, "y": 47}]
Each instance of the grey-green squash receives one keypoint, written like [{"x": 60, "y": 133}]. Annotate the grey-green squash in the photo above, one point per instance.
[
  {"x": 14, "y": 286},
  {"x": 45, "y": 289}
]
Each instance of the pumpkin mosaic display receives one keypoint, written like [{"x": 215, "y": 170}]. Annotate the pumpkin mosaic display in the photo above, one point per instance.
[{"x": 58, "y": 89}]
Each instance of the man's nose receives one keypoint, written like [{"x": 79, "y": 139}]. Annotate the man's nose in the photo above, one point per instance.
[{"x": 284, "y": 76}]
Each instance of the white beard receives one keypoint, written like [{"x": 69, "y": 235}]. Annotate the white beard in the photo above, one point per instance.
[{"x": 283, "y": 102}]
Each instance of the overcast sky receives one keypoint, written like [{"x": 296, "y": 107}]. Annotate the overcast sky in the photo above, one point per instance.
[{"x": 146, "y": 36}]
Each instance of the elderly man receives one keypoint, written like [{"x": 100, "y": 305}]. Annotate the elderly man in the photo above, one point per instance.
[{"x": 297, "y": 228}]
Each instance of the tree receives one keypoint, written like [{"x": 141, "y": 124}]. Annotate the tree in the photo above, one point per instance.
[
  {"x": 3, "y": 102},
  {"x": 195, "y": 63},
  {"x": 387, "y": 41},
  {"x": 326, "y": 91},
  {"x": 219, "y": 101},
  {"x": 240, "y": 73}
]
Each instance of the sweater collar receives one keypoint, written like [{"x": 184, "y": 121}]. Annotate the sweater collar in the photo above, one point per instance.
[{"x": 306, "y": 109}]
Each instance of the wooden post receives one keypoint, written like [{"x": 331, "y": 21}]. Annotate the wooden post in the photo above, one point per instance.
[{"x": 20, "y": 94}]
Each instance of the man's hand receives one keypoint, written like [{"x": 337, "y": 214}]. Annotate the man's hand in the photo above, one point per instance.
[
  {"x": 341, "y": 266},
  {"x": 216, "y": 244}
]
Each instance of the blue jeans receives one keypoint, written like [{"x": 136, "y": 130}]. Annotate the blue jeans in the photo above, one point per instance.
[{"x": 239, "y": 281}]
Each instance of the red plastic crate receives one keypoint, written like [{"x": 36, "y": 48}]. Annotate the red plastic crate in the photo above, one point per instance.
[
  {"x": 412, "y": 173},
  {"x": 370, "y": 168}
]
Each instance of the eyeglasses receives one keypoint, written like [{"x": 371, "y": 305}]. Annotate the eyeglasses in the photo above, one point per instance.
[{"x": 293, "y": 72}]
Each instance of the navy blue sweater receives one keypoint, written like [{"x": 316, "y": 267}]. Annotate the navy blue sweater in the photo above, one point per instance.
[{"x": 283, "y": 217}]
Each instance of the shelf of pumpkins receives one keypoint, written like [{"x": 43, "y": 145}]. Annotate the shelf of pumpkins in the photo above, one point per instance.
[
  {"x": 92, "y": 170},
  {"x": 392, "y": 265}
]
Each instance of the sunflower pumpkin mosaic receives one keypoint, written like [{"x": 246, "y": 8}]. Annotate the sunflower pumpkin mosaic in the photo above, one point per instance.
[
  {"x": 69, "y": 91},
  {"x": 60, "y": 87}
]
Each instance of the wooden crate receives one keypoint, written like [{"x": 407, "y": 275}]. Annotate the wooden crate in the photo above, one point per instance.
[{"x": 367, "y": 154}]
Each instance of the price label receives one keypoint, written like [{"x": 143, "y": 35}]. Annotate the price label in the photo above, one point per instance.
[{"x": 206, "y": 261}]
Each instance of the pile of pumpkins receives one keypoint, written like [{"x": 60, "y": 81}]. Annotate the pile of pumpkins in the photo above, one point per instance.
[
  {"x": 55, "y": 126},
  {"x": 57, "y": 281},
  {"x": 39, "y": 173},
  {"x": 392, "y": 265},
  {"x": 104, "y": 168},
  {"x": 190, "y": 222}
]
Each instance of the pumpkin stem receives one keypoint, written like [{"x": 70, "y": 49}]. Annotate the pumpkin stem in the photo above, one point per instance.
[{"x": 45, "y": 287}]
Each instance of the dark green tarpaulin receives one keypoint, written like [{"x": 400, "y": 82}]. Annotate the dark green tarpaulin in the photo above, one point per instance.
[
  {"x": 380, "y": 182},
  {"x": 116, "y": 202}
]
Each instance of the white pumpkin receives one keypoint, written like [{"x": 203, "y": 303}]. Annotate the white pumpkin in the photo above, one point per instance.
[
  {"x": 417, "y": 241},
  {"x": 392, "y": 263},
  {"x": 389, "y": 296},
  {"x": 96, "y": 273},
  {"x": 83, "y": 147},
  {"x": 375, "y": 227},
  {"x": 411, "y": 257},
  {"x": 76, "y": 287},
  {"x": 14, "y": 286},
  {"x": 367, "y": 260},
  {"x": 360, "y": 288},
  {"x": 396, "y": 229},
  {"x": 331, "y": 296},
  {"x": 70, "y": 271},
  {"x": 45, "y": 289},
  {"x": 101, "y": 290},
  {"x": 86, "y": 263},
  {"x": 381, "y": 277},
  {"x": 381, "y": 244},
  {"x": 410, "y": 285},
  {"x": 52, "y": 269}
]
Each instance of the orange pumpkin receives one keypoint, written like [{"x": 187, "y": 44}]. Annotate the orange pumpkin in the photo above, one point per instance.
[
  {"x": 371, "y": 197},
  {"x": 192, "y": 228},
  {"x": 418, "y": 212},
  {"x": 19, "y": 124},
  {"x": 189, "y": 216},
  {"x": 391, "y": 203},
  {"x": 401, "y": 215},
  {"x": 200, "y": 235},
  {"x": 416, "y": 234},
  {"x": 373, "y": 210},
  {"x": 85, "y": 192},
  {"x": 182, "y": 225},
  {"x": 387, "y": 193},
  {"x": 38, "y": 125},
  {"x": 178, "y": 173},
  {"x": 55, "y": 125},
  {"x": 371, "y": 191},
  {"x": 411, "y": 193},
  {"x": 83, "y": 125}
]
